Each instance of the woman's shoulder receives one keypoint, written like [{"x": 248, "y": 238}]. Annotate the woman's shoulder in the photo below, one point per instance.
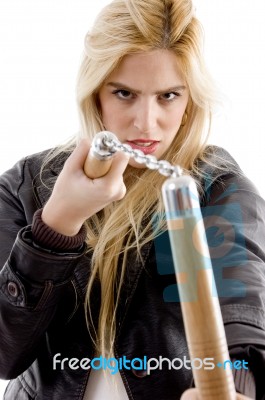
[
  {"x": 49, "y": 160},
  {"x": 218, "y": 161},
  {"x": 218, "y": 168},
  {"x": 33, "y": 170}
]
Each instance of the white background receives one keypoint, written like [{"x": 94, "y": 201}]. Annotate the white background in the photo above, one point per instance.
[{"x": 40, "y": 47}]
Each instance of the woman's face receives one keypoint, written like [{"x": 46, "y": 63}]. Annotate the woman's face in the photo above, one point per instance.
[{"x": 143, "y": 101}]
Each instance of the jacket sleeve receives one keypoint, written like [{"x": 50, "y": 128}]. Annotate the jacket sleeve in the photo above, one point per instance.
[
  {"x": 32, "y": 279},
  {"x": 234, "y": 218}
]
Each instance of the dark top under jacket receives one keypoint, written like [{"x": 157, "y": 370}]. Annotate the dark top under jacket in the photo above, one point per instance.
[{"x": 42, "y": 290}]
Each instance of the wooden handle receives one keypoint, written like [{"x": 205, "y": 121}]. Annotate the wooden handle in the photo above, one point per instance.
[
  {"x": 95, "y": 168},
  {"x": 200, "y": 308}
]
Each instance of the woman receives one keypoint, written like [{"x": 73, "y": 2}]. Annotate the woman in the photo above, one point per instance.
[{"x": 81, "y": 259}]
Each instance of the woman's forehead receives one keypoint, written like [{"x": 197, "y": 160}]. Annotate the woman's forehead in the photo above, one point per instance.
[{"x": 154, "y": 67}]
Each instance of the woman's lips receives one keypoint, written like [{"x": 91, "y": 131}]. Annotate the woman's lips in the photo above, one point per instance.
[{"x": 146, "y": 146}]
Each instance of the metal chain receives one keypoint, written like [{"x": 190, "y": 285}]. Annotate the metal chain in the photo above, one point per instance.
[{"x": 162, "y": 166}]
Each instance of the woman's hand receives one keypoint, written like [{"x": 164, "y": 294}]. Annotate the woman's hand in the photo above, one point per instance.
[
  {"x": 75, "y": 197},
  {"x": 192, "y": 394}
]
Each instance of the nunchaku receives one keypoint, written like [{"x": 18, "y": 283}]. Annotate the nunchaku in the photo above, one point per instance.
[{"x": 200, "y": 306}]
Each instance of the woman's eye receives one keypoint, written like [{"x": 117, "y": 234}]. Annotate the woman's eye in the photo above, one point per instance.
[
  {"x": 170, "y": 96},
  {"x": 123, "y": 94}
]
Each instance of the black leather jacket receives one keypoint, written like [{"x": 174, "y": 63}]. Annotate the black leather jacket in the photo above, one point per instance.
[{"x": 42, "y": 292}]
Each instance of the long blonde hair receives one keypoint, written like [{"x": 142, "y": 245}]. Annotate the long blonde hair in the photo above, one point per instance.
[{"x": 127, "y": 27}]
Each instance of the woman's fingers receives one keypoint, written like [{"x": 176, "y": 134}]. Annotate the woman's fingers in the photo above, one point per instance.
[
  {"x": 76, "y": 196},
  {"x": 119, "y": 164},
  {"x": 192, "y": 394},
  {"x": 77, "y": 158}
]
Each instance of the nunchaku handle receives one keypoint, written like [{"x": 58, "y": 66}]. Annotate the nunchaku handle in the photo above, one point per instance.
[
  {"x": 197, "y": 292},
  {"x": 100, "y": 156},
  {"x": 95, "y": 168}
]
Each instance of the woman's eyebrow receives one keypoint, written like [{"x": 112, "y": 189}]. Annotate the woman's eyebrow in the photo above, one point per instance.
[{"x": 119, "y": 85}]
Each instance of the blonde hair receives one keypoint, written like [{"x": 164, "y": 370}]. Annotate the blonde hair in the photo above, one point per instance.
[{"x": 128, "y": 27}]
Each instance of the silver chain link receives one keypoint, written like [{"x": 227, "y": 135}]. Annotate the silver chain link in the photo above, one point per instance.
[{"x": 162, "y": 166}]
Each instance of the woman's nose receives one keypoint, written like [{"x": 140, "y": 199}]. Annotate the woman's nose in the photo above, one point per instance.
[{"x": 145, "y": 119}]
